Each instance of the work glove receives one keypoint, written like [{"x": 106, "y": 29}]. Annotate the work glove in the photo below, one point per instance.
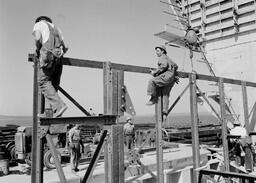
[{"x": 177, "y": 79}]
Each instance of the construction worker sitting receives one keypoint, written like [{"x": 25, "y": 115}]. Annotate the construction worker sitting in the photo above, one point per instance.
[{"x": 164, "y": 77}]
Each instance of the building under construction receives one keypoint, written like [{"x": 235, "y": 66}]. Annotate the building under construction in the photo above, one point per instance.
[{"x": 222, "y": 33}]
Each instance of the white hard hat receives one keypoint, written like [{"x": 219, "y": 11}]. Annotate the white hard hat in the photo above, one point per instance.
[
  {"x": 162, "y": 47},
  {"x": 128, "y": 118}
]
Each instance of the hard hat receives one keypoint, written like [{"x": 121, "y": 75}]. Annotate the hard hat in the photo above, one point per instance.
[
  {"x": 237, "y": 123},
  {"x": 162, "y": 47},
  {"x": 128, "y": 118},
  {"x": 43, "y": 18}
]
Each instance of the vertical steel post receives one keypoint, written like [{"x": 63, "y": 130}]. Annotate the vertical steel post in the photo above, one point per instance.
[
  {"x": 224, "y": 124},
  {"x": 114, "y": 155},
  {"x": 159, "y": 144},
  {"x": 194, "y": 126},
  {"x": 245, "y": 105},
  {"x": 107, "y": 99},
  {"x": 36, "y": 169}
]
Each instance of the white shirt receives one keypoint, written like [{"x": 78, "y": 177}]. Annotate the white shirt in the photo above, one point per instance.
[
  {"x": 239, "y": 131},
  {"x": 43, "y": 28}
]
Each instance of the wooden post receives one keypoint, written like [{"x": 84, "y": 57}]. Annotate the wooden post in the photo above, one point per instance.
[
  {"x": 245, "y": 105},
  {"x": 194, "y": 126},
  {"x": 159, "y": 144},
  {"x": 36, "y": 169},
  {"x": 224, "y": 124},
  {"x": 56, "y": 159}
]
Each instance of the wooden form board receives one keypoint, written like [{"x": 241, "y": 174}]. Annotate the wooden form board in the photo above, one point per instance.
[{"x": 217, "y": 18}]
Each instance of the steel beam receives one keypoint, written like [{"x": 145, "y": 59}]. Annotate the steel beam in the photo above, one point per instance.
[
  {"x": 194, "y": 126},
  {"x": 159, "y": 144},
  {"x": 95, "y": 158},
  {"x": 141, "y": 69},
  {"x": 57, "y": 162},
  {"x": 245, "y": 105},
  {"x": 36, "y": 169},
  {"x": 74, "y": 101},
  {"x": 224, "y": 124},
  {"x": 87, "y": 120}
]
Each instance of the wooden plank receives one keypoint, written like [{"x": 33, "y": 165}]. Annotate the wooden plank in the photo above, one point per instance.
[
  {"x": 159, "y": 144},
  {"x": 245, "y": 105},
  {"x": 224, "y": 124},
  {"x": 56, "y": 159},
  {"x": 87, "y": 120},
  {"x": 194, "y": 126}
]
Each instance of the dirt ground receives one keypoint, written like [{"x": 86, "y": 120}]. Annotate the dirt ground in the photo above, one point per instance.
[{"x": 21, "y": 174}]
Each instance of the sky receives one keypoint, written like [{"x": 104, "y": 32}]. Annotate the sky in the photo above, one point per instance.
[{"x": 119, "y": 31}]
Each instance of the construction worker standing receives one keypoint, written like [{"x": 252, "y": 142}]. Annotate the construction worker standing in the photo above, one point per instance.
[
  {"x": 50, "y": 48},
  {"x": 75, "y": 144},
  {"x": 242, "y": 146},
  {"x": 129, "y": 133},
  {"x": 164, "y": 77}
]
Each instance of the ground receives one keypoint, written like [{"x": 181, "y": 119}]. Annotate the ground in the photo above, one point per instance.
[{"x": 21, "y": 174}]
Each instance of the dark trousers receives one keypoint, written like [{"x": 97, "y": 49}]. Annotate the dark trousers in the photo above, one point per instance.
[
  {"x": 164, "y": 82},
  {"x": 49, "y": 80},
  {"x": 129, "y": 141}
]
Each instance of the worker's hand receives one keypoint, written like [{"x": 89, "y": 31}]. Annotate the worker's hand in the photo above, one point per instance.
[
  {"x": 152, "y": 72},
  {"x": 177, "y": 79},
  {"x": 37, "y": 53}
]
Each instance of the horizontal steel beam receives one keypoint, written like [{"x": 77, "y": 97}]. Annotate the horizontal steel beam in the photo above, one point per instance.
[
  {"x": 88, "y": 120},
  {"x": 227, "y": 174},
  {"x": 141, "y": 69}
]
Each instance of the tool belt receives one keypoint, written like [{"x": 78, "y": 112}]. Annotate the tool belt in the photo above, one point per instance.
[{"x": 48, "y": 57}]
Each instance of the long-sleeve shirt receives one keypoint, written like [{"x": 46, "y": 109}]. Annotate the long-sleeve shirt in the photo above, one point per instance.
[{"x": 164, "y": 64}]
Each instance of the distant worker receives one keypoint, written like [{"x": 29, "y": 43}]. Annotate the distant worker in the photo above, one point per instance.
[
  {"x": 129, "y": 133},
  {"x": 242, "y": 146},
  {"x": 50, "y": 48},
  {"x": 92, "y": 113},
  {"x": 75, "y": 144},
  {"x": 164, "y": 78}
]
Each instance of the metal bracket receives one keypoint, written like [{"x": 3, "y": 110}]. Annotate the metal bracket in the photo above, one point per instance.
[{"x": 43, "y": 131}]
